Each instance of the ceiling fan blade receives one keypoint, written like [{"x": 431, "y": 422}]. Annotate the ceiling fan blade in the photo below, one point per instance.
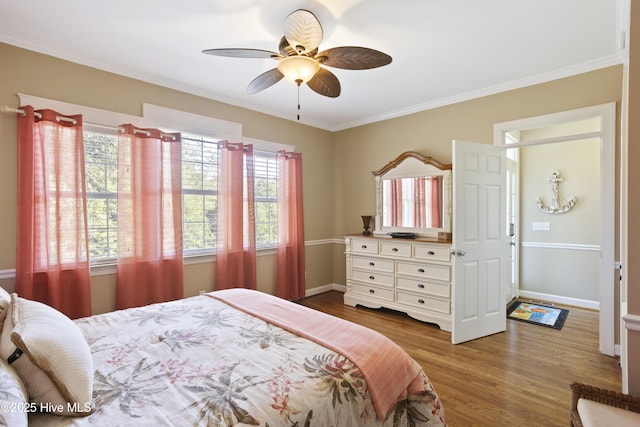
[
  {"x": 243, "y": 53},
  {"x": 264, "y": 80},
  {"x": 303, "y": 31},
  {"x": 285, "y": 48},
  {"x": 325, "y": 83},
  {"x": 353, "y": 58}
]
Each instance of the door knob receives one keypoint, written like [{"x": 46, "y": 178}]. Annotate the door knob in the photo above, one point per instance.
[{"x": 456, "y": 252}]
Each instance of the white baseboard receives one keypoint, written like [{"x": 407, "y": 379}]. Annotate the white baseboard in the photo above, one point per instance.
[
  {"x": 577, "y": 302},
  {"x": 325, "y": 288}
]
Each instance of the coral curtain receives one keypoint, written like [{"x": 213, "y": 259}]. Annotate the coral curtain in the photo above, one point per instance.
[
  {"x": 392, "y": 206},
  {"x": 236, "y": 239},
  {"x": 396, "y": 203},
  {"x": 291, "y": 266},
  {"x": 390, "y": 202},
  {"x": 150, "y": 265},
  {"x": 52, "y": 253},
  {"x": 435, "y": 216},
  {"x": 420, "y": 202}
]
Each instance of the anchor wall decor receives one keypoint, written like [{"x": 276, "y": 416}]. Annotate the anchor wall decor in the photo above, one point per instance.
[{"x": 555, "y": 181}]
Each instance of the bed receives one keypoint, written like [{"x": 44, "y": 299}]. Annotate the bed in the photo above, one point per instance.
[{"x": 225, "y": 358}]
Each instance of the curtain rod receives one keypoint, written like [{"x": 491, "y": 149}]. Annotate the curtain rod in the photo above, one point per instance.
[
  {"x": 135, "y": 130},
  {"x": 7, "y": 109}
]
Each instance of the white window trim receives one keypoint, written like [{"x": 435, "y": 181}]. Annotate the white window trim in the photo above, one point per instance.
[
  {"x": 171, "y": 120},
  {"x": 167, "y": 119},
  {"x": 110, "y": 268}
]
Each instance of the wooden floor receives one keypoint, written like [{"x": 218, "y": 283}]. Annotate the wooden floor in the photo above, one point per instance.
[{"x": 517, "y": 378}]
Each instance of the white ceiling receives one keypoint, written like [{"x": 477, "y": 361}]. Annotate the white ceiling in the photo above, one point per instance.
[{"x": 443, "y": 51}]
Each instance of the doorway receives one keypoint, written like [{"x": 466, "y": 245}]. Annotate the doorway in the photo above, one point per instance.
[{"x": 510, "y": 132}]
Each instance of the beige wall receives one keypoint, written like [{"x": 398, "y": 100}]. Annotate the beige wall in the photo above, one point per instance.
[
  {"x": 359, "y": 151},
  {"x": 23, "y": 71},
  {"x": 579, "y": 165},
  {"x": 546, "y": 266}
]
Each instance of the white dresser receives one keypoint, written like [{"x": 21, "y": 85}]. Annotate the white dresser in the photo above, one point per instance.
[{"x": 408, "y": 275}]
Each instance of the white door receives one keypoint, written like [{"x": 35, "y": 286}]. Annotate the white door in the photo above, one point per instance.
[{"x": 481, "y": 261}]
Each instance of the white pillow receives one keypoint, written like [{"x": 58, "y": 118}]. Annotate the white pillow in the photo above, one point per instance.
[
  {"x": 51, "y": 356},
  {"x": 5, "y": 300},
  {"x": 14, "y": 408}
]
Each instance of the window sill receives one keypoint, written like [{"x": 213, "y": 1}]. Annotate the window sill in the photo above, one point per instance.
[{"x": 107, "y": 268}]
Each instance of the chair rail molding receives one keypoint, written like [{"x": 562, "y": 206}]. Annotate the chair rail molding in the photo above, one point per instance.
[{"x": 631, "y": 322}]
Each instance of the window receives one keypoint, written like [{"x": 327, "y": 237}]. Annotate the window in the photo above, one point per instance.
[
  {"x": 266, "y": 198},
  {"x": 199, "y": 194},
  {"x": 101, "y": 170}
]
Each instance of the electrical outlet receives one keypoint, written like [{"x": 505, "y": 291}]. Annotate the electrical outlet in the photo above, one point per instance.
[{"x": 540, "y": 226}]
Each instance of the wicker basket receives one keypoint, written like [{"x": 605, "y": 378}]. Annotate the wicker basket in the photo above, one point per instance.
[{"x": 607, "y": 397}]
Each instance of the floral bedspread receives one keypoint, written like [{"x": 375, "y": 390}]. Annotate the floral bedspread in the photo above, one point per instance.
[{"x": 200, "y": 362}]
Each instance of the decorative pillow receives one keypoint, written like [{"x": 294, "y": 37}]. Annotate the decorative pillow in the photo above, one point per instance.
[
  {"x": 14, "y": 408},
  {"x": 5, "y": 300},
  {"x": 50, "y": 354}
]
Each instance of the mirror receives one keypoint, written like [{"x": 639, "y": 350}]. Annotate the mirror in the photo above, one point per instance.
[
  {"x": 413, "y": 196},
  {"x": 412, "y": 202}
]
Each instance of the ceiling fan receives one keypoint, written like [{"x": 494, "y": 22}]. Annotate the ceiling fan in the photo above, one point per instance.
[{"x": 299, "y": 60}]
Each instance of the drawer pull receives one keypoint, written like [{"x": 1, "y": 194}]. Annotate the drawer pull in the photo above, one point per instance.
[
  {"x": 372, "y": 263},
  {"x": 421, "y": 270},
  {"x": 394, "y": 249},
  {"x": 421, "y": 301},
  {"x": 364, "y": 246},
  {"x": 431, "y": 253},
  {"x": 372, "y": 277},
  {"x": 421, "y": 286},
  {"x": 372, "y": 291}
]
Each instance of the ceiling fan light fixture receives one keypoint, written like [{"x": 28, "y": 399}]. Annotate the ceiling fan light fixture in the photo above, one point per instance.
[
  {"x": 298, "y": 69},
  {"x": 298, "y": 59}
]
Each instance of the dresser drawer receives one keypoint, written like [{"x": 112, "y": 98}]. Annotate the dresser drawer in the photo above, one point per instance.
[
  {"x": 364, "y": 246},
  {"x": 372, "y": 277},
  {"x": 421, "y": 301},
  {"x": 432, "y": 271},
  {"x": 372, "y": 291},
  {"x": 423, "y": 286},
  {"x": 434, "y": 253},
  {"x": 395, "y": 250},
  {"x": 376, "y": 264}
]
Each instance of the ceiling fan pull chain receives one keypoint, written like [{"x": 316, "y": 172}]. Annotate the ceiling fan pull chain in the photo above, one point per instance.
[{"x": 299, "y": 83}]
